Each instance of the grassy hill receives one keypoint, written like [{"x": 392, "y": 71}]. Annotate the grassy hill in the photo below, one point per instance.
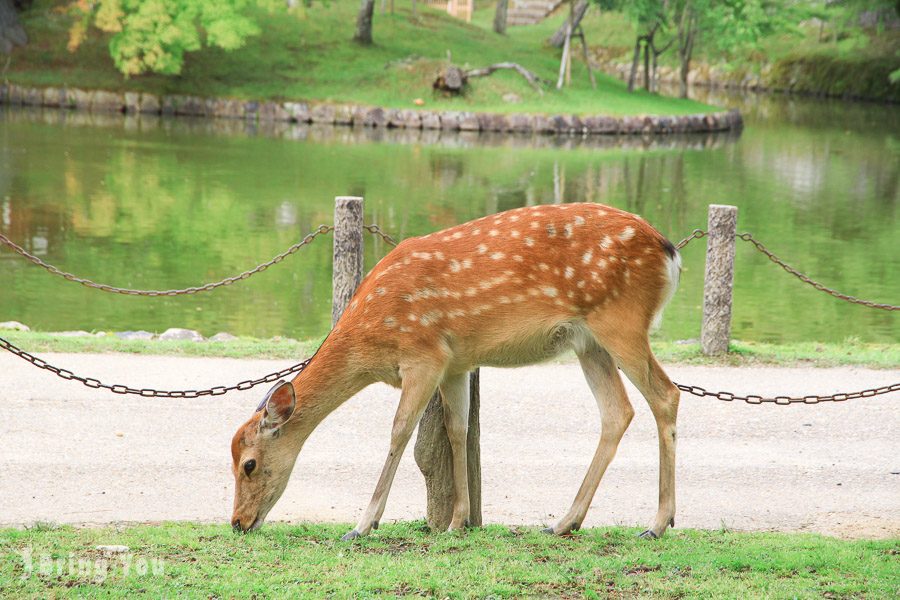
[{"x": 308, "y": 55}]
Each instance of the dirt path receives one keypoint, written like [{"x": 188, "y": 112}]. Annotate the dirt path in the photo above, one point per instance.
[{"x": 75, "y": 455}]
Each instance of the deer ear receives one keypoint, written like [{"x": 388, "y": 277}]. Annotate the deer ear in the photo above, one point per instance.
[{"x": 279, "y": 406}]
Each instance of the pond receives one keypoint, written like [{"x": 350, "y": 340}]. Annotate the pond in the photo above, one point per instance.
[{"x": 151, "y": 203}]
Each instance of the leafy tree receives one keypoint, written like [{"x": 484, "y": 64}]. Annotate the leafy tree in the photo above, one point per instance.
[{"x": 154, "y": 35}]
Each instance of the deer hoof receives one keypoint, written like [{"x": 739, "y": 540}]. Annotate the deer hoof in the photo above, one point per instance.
[
  {"x": 548, "y": 530},
  {"x": 350, "y": 535},
  {"x": 648, "y": 535}
]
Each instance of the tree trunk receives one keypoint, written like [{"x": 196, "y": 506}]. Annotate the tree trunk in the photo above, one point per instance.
[
  {"x": 364, "y": 23},
  {"x": 435, "y": 459},
  {"x": 500, "y": 16},
  {"x": 559, "y": 38},
  {"x": 647, "y": 44},
  {"x": 687, "y": 32},
  {"x": 11, "y": 32},
  {"x": 634, "y": 63}
]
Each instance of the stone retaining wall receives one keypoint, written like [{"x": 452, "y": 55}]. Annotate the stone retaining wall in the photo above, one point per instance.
[
  {"x": 323, "y": 133},
  {"x": 99, "y": 101}
]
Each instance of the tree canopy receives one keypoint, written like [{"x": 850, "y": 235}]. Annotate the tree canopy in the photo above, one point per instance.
[{"x": 154, "y": 35}]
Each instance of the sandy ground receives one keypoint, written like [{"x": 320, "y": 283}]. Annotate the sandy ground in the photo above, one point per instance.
[{"x": 76, "y": 455}]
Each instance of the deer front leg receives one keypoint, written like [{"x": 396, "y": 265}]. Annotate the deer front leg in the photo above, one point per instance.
[
  {"x": 615, "y": 415},
  {"x": 418, "y": 387},
  {"x": 455, "y": 400}
]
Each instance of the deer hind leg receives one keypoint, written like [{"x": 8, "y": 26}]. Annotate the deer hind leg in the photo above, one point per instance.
[
  {"x": 615, "y": 415},
  {"x": 633, "y": 355},
  {"x": 455, "y": 399},
  {"x": 417, "y": 388}
]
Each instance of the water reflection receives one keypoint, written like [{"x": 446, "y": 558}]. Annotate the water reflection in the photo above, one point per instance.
[{"x": 160, "y": 203}]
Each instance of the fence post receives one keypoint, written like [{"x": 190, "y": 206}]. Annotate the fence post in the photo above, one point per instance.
[
  {"x": 719, "y": 282},
  {"x": 348, "y": 252},
  {"x": 435, "y": 459}
]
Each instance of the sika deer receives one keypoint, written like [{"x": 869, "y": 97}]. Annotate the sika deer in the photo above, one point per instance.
[{"x": 506, "y": 290}]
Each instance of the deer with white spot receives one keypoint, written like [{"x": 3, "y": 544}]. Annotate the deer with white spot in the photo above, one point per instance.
[{"x": 510, "y": 289}]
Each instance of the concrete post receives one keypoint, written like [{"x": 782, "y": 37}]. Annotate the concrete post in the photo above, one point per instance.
[
  {"x": 719, "y": 282},
  {"x": 348, "y": 252}
]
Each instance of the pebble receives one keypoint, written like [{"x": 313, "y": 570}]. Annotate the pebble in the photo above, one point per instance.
[
  {"x": 112, "y": 549},
  {"x": 14, "y": 325}
]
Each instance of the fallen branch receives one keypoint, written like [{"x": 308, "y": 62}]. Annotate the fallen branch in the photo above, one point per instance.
[{"x": 530, "y": 77}]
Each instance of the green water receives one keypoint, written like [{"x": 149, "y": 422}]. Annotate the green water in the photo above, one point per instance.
[{"x": 151, "y": 203}]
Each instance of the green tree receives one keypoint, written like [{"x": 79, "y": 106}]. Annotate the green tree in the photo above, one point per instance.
[{"x": 154, "y": 35}]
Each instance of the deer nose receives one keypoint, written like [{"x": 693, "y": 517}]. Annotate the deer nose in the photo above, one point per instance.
[{"x": 236, "y": 524}]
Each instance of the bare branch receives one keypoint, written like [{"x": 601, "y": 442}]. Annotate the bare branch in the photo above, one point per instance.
[{"x": 530, "y": 77}]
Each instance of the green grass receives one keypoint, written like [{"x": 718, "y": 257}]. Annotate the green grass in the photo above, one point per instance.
[
  {"x": 309, "y": 55},
  {"x": 812, "y": 354},
  {"x": 404, "y": 560}
]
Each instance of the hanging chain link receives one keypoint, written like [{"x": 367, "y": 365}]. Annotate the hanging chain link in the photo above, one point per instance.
[
  {"x": 695, "y": 235},
  {"x": 696, "y": 390},
  {"x": 247, "y": 384},
  {"x": 805, "y": 279},
  {"x": 376, "y": 230},
  {"x": 150, "y": 392},
  {"x": 748, "y": 237},
  {"x": 322, "y": 229}
]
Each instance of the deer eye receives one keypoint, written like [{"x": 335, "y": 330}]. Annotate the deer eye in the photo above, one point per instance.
[{"x": 249, "y": 466}]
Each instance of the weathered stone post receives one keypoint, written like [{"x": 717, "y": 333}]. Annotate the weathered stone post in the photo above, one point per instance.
[
  {"x": 348, "y": 252},
  {"x": 435, "y": 459},
  {"x": 719, "y": 282}
]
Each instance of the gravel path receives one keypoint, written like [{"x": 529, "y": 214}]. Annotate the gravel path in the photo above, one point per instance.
[{"x": 75, "y": 455}]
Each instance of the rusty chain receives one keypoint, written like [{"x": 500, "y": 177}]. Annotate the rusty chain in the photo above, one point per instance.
[
  {"x": 696, "y": 390},
  {"x": 150, "y": 392},
  {"x": 805, "y": 279},
  {"x": 219, "y": 390},
  {"x": 695, "y": 235},
  {"x": 748, "y": 237},
  {"x": 322, "y": 229},
  {"x": 376, "y": 230}
]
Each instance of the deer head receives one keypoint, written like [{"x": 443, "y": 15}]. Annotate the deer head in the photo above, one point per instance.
[{"x": 263, "y": 458}]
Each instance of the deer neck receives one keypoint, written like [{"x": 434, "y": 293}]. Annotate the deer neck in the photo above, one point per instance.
[{"x": 328, "y": 381}]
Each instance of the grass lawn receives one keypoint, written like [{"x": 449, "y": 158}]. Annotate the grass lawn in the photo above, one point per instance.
[
  {"x": 308, "y": 55},
  {"x": 405, "y": 560},
  {"x": 811, "y": 354}
]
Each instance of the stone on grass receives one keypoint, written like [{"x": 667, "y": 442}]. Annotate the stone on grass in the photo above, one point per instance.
[
  {"x": 223, "y": 336},
  {"x": 176, "y": 333},
  {"x": 134, "y": 335},
  {"x": 14, "y": 326}
]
